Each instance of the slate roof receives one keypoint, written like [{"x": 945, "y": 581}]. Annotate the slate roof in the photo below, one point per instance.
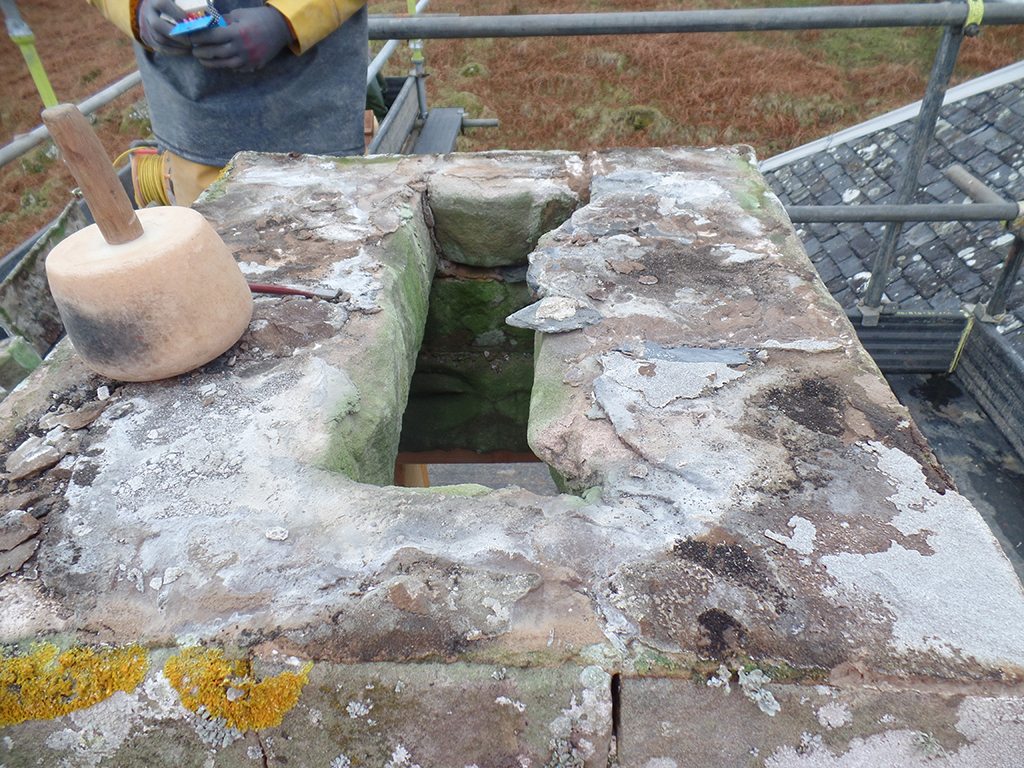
[{"x": 939, "y": 265}]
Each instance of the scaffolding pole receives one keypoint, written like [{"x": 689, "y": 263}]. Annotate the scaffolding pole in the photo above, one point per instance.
[
  {"x": 924, "y": 131},
  {"x": 808, "y": 214},
  {"x": 660, "y": 22}
]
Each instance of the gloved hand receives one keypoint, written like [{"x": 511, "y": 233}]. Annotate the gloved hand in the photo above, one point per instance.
[
  {"x": 252, "y": 37},
  {"x": 154, "y": 28}
]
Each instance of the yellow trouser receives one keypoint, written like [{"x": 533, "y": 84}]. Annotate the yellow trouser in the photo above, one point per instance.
[{"x": 189, "y": 179}]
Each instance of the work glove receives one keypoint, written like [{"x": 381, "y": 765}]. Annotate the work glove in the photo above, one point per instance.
[
  {"x": 252, "y": 37},
  {"x": 154, "y": 29}
]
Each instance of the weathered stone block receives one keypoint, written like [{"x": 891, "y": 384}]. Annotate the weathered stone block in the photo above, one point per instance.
[
  {"x": 442, "y": 716},
  {"x": 447, "y": 716},
  {"x": 18, "y": 359},
  {"x": 672, "y": 723},
  {"x": 487, "y": 224},
  {"x": 369, "y": 242},
  {"x": 752, "y": 499}
]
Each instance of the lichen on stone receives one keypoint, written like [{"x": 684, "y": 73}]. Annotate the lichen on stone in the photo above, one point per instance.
[
  {"x": 220, "y": 688},
  {"x": 46, "y": 682},
  {"x": 752, "y": 684}
]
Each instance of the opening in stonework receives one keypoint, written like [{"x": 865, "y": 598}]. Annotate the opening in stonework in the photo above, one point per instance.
[{"x": 469, "y": 401}]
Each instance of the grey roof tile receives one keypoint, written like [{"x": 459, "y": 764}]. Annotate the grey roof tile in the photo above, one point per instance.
[
  {"x": 915, "y": 304},
  {"x": 985, "y": 161},
  {"x": 874, "y": 228},
  {"x": 964, "y": 149},
  {"x": 966, "y": 120},
  {"x": 946, "y": 266},
  {"x": 919, "y": 234},
  {"x": 1014, "y": 100},
  {"x": 929, "y": 174},
  {"x": 974, "y": 295},
  {"x": 999, "y": 176},
  {"x": 945, "y": 301},
  {"x": 938, "y": 264},
  {"x": 992, "y": 138},
  {"x": 828, "y": 271},
  {"x": 864, "y": 245},
  {"x": 845, "y": 297},
  {"x": 1007, "y": 121},
  {"x": 877, "y": 191},
  {"x": 812, "y": 246},
  {"x": 899, "y": 290},
  {"x": 823, "y": 231},
  {"x": 836, "y": 284},
  {"x": 963, "y": 280},
  {"x": 849, "y": 263},
  {"x": 823, "y": 160},
  {"x": 833, "y": 172}
]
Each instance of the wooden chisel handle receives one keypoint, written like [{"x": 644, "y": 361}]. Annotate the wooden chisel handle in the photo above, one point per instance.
[{"x": 91, "y": 168}]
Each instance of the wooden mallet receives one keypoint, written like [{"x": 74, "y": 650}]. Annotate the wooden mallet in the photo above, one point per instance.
[{"x": 143, "y": 295}]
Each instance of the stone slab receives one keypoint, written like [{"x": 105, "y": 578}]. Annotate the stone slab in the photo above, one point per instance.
[
  {"x": 441, "y": 716},
  {"x": 748, "y": 493},
  {"x": 672, "y": 723},
  {"x": 486, "y": 224}
]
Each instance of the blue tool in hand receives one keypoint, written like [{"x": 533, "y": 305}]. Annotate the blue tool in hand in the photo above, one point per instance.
[{"x": 197, "y": 21}]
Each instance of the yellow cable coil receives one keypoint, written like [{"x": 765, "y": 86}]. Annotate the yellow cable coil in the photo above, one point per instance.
[{"x": 151, "y": 176}]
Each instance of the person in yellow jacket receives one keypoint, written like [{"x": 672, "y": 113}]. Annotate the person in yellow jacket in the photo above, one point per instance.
[{"x": 281, "y": 76}]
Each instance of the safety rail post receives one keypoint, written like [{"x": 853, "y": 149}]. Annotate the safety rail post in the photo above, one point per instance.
[
  {"x": 924, "y": 131},
  {"x": 417, "y": 60},
  {"x": 993, "y": 311},
  {"x": 996, "y": 307}
]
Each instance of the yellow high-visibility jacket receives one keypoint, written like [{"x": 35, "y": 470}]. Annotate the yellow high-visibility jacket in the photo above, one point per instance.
[{"x": 310, "y": 20}]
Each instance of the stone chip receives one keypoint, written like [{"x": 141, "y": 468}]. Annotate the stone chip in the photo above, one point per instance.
[{"x": 16, "y": 527}]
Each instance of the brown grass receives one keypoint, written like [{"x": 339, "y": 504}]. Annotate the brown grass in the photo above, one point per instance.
[{"x": 774, "y": 91}]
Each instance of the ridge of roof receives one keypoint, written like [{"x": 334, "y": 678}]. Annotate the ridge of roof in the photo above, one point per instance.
[{"x": 999, "y": 77}]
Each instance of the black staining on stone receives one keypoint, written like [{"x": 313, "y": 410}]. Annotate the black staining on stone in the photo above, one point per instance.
[
  {"x": 731, "y": 561},
  {"x": 106, "y": 340},
  {"x": 85, "y": 472},
  {"x": 723, "y": 631},
  {"x": 913, "y": 443},
  {"x": 814, "y": 404},
  {"x": 616, "y": 703}
]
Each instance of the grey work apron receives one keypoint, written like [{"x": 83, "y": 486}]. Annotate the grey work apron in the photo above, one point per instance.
[{"x": 311, "y": 104}]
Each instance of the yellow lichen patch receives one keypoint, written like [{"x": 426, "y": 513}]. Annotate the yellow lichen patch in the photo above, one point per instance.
[
  {"x": 47, "y": 683},
  {"x": 226, "y": 688}
]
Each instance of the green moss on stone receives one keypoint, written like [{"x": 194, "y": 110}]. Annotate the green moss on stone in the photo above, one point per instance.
[
  {"x": 469, "y": 400},
  {"x": 364, "y": 440},
  {"x": 461, "y": 311},
  {"x": 463, "y": 490}
]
